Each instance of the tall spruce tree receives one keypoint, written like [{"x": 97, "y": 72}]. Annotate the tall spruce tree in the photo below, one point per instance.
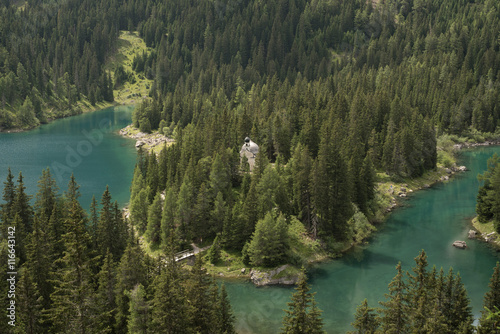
[
  {"x": 491, "y": 302},
  {"x": 395, "y": 311},
  {"x": 171, "y": 313},
  {"x": 46, "y": 196},
  {"x": 302, "y": 316},
  {"x": 138, "y": 322},
  {"x": 225, "y": 317},
  {"x": 153, "y": 231},
  {"x": 8, "y": 197},
  {"x": 366, "y": 321},
  {"x": 331, "y": 190},
  {"x": 71, "y": 309},
  {"x": 103, "y": 319},
  {"x": 130, "y": 271}
]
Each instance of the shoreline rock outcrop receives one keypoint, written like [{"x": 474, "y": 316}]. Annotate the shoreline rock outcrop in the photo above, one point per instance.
[
  {"x": 145, "y": 139},
  {"x": 261, "y": 278}
]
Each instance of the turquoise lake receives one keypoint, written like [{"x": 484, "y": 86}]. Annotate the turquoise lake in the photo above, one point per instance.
[
  {"x": 87, "y": 145},
  {"x": 431, "y": 219}
]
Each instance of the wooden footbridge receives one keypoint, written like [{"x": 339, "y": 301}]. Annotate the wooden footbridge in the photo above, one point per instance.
[{"x": 189, "y": 253}]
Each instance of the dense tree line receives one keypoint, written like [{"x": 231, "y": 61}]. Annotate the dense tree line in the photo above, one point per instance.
[
  {"x": 423, "y": 301},
  {"x": 488, "y": 201},
  {"x": 83, "y": 271}
]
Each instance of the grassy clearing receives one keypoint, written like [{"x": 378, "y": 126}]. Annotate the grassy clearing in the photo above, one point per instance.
[
  {"x": 230, "y": 265},
  {"x": 129, "y": 45}
]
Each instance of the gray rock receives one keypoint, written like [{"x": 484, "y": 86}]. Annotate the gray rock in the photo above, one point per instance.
[
  {"x": 139, "y": 143},
  {"x": 261, "y": 278},
  {"x": 460, "y": 244},
  {"x": 472, "y": 234},
  {"x": 243, "y": 270}
]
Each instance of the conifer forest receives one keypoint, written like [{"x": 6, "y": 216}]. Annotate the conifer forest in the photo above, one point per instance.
[{"x": 335, "y": 93}]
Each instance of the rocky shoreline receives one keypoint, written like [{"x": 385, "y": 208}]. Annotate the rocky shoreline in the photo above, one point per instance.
[
  {"x": 146, "y": 140},
  {"x": 470, "y": 145},
  {"x": 261, "y": 278}
]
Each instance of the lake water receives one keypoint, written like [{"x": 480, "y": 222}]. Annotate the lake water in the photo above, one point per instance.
[
  {"x": 431, "y": 220},
  {"x": 87, "y": 145}
]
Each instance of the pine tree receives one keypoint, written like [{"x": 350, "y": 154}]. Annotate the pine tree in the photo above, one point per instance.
[
  {"x": 331, "y": 191},
  {"x": 366, "y": 321},
  {"x": 8, "y": 197},
  {"x": 491, "y": 300},
  {"x": 184, "y": 213},
  {"x": 225, "y": 317},
  {"x": 456, "y": 309},
  {"x": 219, "y": 177},
  {"x": 104, "y": 300},
  {"x": 302, "y": 316},
  {"x": 73, "y": 207},
  {"x": 214, "y": 251},
  {"x": 94, "y": 224},
  {"x": 153, "y": 231},
  {"x": 198, "y": 292},
  {"x": 270, "y": 192},
  {"x": 137, "y": 183},
  {"x": 269, "y": 244},
  {"x": 139, "y": 210},
  {"x": 71, "y": 309},
  {"x": 138, "y": 322},
  {"x": 171, "y": 314},
  {"x": 38, "y": 267},
  {"x": 301, "y": 166},
  {"x": 130, "y": 271},
  {"x": 105, "y": 233},
  {"x": 395, "y": 311},
  {"x": 23, "y": 209},
  {"x": 218, "y": 215},
  {"x": 152, "y": 180},
  {"x": 419, "y": 294},
  {"x": 46, "y": 196},
  {"x": 168, "y": 220},
  {"x": 28, "y": 300}
]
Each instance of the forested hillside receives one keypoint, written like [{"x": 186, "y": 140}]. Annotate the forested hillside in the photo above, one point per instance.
[
  {"x": 332, "y": 91},
  {"x": 79, "y": 271},
  {"x": 52, "y": 55}
]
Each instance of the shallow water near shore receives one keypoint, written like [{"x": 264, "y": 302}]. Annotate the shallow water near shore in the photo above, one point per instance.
[
  {"x": 431, "y": 219},
  {"x": 87, "y": 145}
]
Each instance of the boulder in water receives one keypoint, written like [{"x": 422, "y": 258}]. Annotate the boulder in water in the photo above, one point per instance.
[
  {"x": 460, "y": 244},
  {"x": 472, "y": 234}
]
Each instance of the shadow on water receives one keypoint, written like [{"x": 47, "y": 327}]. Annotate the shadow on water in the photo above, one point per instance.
[{"x": 367, "y": 259}]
